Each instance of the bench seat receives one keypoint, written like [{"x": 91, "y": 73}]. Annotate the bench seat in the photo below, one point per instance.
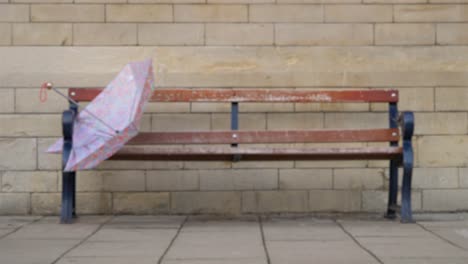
[{"x": 219, "y": 153}]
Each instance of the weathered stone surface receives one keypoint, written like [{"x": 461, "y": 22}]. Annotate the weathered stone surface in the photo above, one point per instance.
[
  {"x": 93, "y": 203},
  {"x": 334, "y": 200},
  {"x": 430, "y": 13},
  {"x": 29, "y": 181},
  {"x": 164, "y": 34},
  {"x": 282, "y": 121},
  {"x": 180, "y": 122},
  {"x": 206, "y": 202},
  {"x": 5, "y": 34},
  {"x": 30, "y": 125},
  {"x": 243, "y": 67},
  {"x": 246, "y": 121},
  {"x": 285, "y": 13},
  {"x": 239, "y": 34},
  {"x": 13, "y": 148},
  {"x": 139, "y": 13},
  {"x": 239, "y": 179},
  {"x": 305, "y": 179},
  {"x": 274, "y": 201},
  {"x": 118, "y": 34},
  {"x": 358, "y": 179},
  {"x": 324, "y": 34},
  {"x": 45, "y": 203},
  {"x": 444, "y": 200},
  {"x": 14, "y": 13},
  {"x": 14, "y": 203},
  {"x": 405, "y": 34},
  {"x": 125, "y": 180},
  {"x": 140, "y": 203},
  {"x": 52, "y": 34},
  {"x": 451, "y": 99},
  {"x": 210, "y": 13},
  {"x": 67, "y": 13},
  {"x": 436, "y": 178},
  {"x": 7, "y": 99},
  {"x": 358, "y": 13},
  {"x": 442, "y": 151},
  {"x": 166, "y": 180},
  {"x": 441, "y": 123}
]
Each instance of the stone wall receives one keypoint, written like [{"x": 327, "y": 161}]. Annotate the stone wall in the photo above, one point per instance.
[{"x": 416, "y": 46}]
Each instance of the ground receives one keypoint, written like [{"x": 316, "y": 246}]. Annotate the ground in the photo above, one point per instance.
[{"x": 247, "y": 240}]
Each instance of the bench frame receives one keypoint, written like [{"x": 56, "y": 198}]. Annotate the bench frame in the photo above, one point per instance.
[{"x": 404, "y": 120}]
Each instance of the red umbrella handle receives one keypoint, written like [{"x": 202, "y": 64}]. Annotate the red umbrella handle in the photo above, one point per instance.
[{"x": 43, "y": 91}]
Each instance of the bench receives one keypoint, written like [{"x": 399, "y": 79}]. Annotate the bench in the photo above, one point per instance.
[{"x": 150, "y": 146}]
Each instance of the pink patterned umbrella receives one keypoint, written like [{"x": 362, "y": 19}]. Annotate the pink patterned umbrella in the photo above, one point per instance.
[{"x": 111, "y": 119}]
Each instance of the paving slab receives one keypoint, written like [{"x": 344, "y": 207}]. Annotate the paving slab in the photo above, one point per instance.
[
  {"x": 49, "y": 228},
  {"x": 108, "y": 234},
  {"x": 425, "y": 261},
  {"x": 217, "y": 261},
  {"x": 107, "y": 260},
  {"x": 215, "y": 240},
  {"x": 382, "y": 229},
  {"x": 146, "y": 221},
  {"x": 302, "y": 229},
  {"x": 323, "y": 252},
  {"x": 23, "y": 251},
  {"x": 411, "y": 247},
  {"x": 12, "y": 222},
  {"x": 454, "y": 232},
  {"x": 120, "y": 249}
]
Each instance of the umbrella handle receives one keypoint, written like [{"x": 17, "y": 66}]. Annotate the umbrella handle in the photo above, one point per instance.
[{"x": 43, "y": 91}]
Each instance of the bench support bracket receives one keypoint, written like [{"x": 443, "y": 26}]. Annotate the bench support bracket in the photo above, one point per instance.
[{"x": 68, "y": 211}]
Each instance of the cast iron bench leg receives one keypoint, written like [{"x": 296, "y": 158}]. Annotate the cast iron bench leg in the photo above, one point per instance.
[
  {"x": 392, "y": 190},
  {"x": 68, "y": 178},
  {"x": 407, "y": 120}
]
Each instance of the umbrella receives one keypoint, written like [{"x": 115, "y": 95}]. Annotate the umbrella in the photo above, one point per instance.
[{"x": 111, "y": 119}]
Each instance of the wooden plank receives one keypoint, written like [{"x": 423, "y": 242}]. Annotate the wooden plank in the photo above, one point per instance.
[
  {"x": 246, "y": 137},
  {"x": 251, "y": 154},
  {"x": 254, "y": 95}
]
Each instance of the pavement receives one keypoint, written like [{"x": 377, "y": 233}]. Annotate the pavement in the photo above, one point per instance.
[{"x": 247, "y": 240}]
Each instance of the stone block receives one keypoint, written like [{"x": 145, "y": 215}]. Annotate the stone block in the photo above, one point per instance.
[
  {"x": 67, "y": 13},
  {"x": 111, "y": 34},
  {"x": 210, "y": 13},
  {"x": 358, "y": 13},
  {"x": 173, "y": 180},
  {"x": 13, "y": 148},
  {"x": 239, "y": 34},
  {"x": 334, "y": 200},
  {"x": 29, "y": 181},
  {"x": 274, "y": 201},
  {"x": 405, "y": 34},
  {"x": 140, "y": 202},
  {"x": 139, "y": 13},
  {"x": 324, "y": 34},
  {"x": 15, "y": 203},
  {"x": 171, "y": 34},
  {"x": 239, "y": 179},
  {"x": 43, "y": 34},
  {"x": 206, "y": 202},
  {"x": 358, "y": 179},
  {"x": 305, "y": 179},
  {"x": 286, "y": 13}
]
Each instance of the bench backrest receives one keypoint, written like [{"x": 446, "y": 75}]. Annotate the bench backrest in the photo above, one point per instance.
[
  {"x": 234, "y": 96},
  {"x": 255, "y": 95}
]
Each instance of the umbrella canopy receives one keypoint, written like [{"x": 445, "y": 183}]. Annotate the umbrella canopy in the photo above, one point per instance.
[{"x": 111, "y": 119}]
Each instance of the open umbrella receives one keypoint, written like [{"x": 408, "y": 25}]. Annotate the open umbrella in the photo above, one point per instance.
[{"x": 111, "y": 119}]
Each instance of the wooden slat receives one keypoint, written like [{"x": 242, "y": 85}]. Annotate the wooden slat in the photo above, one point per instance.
[
  {"x": 227, "y": 154},
  {"x": 254, "y": 95},
  {"x": 246, "y": 137}
]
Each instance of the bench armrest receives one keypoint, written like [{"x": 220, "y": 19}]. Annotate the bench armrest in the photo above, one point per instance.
[{"x": 406, "y": 121}]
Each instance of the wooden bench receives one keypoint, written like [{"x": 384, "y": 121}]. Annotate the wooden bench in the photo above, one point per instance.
[{"x": 140, "y": 147}]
